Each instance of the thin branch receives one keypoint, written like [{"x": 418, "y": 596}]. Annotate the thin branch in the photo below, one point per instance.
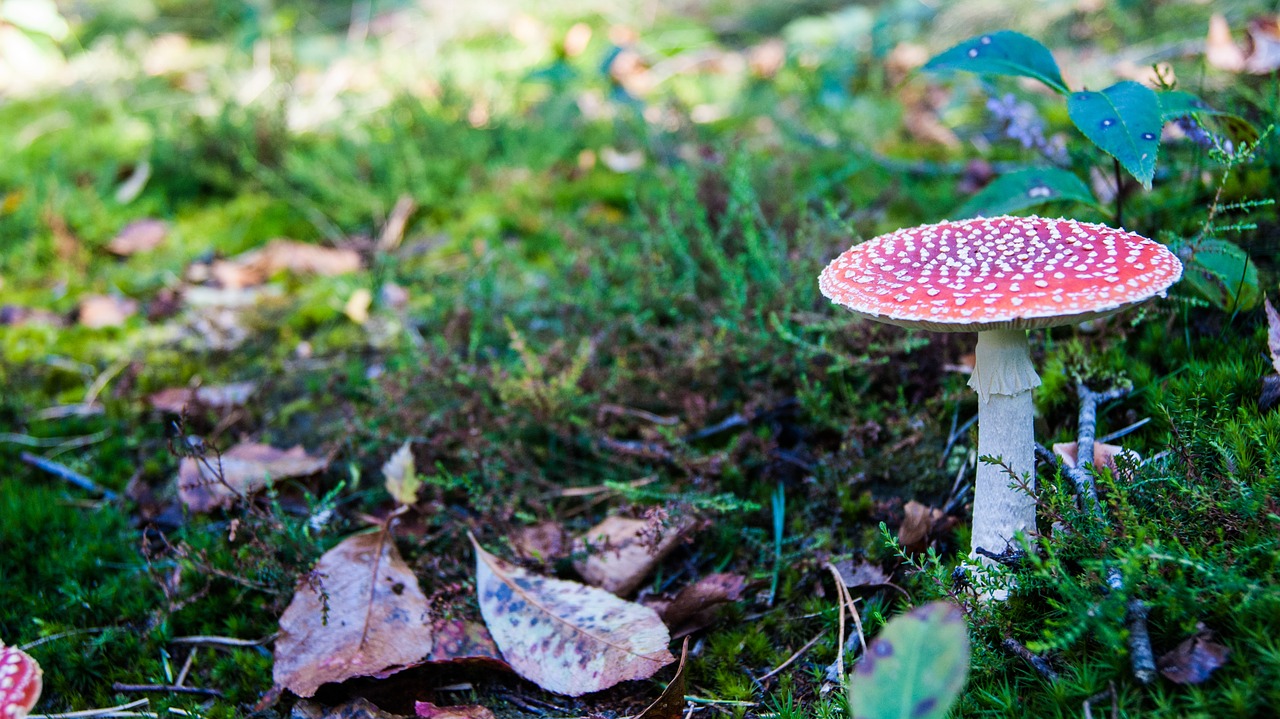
[
  {"x": 65, "y": 473},
  {"x": 166, "y": 688},
  {"x": 118, "y": 710},
  {"x": 210, "y": 640},
  {"x": 1037, "y": 662},
  {"x": 791, "y": 659}
]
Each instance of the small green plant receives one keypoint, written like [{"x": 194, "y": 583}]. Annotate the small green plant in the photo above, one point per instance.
[{"x": 537, "y": 389}]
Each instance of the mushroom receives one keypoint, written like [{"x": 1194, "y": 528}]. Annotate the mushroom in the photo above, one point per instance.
[
  {"x": 999, "y": 277},
  {"x": 19, "y": 682}
]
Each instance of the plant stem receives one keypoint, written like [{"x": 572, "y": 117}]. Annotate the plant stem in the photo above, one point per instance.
[{"x": 1119, "y": 193}]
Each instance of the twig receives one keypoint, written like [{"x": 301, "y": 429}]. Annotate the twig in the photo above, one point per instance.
[
  {"x": 186, "y": 667},
  {"x": 799, "y": 653},
  {"x": 1037, "y": 662},
  {"x": 67, "y": 474},
  {"x": 1141, "y": 656},
  {"x": 1122, "y": 432},
  {"x": 169, "y": 688},
  {"x": 209, "y": 640},
  {"x": 62, "y": 635},
  {"x": 107, "y": 711}
]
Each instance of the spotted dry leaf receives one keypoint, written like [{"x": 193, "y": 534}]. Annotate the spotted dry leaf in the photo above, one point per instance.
[
  {"x": 459, "y": 641},
  {"x": 208, "y": 482},
  {"x": 366, "y": 615},
  {"x": 564, "y": 636},
  {"x": 622, "y": 551}
]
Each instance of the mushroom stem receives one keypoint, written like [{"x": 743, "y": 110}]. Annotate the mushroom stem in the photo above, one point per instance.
[{"x": 1003, "y": 376}]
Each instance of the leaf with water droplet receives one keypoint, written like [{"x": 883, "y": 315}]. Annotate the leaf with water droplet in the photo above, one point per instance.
[
  {"x": 1002, "y": 53},
  {"x": 1124, "y": 121},
  {"x": 1021, "y": 189},
  {"x": 915, "y": 669}
]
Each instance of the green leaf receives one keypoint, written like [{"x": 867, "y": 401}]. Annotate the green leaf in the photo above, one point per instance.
[
  {"x": 1002, "y": 53},
  {"x": 915, "y": 669},
  {"x": 1021, "y": 189},
  {"x": 1123, "y": 120},
  {"x": 1221, "y": 272},
  {"x": 1180, "y": 103}
]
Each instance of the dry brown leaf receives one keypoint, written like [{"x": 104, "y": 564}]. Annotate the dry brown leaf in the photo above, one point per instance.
[
  {"x": 1219, "y": 49},
  {"x": 216, "y": 397},
  {"x": 919, "y": 523},
  {"x": 670, "y": 705},
  {"x": 1104, "y": 455},
  {"x": 1192, "y": 661},
  {"x": 139, "y": 236},
  {"x": 208, "y": 482},
  {"x": 464, "y": 642},
  {"x": 257, "y": 266},
  {"x": 98, "y": 311},
  {"x": 567, "y": 637},
  {"x": 623, "y": 551},
  {"x": 696, "y": 605},
  {"x": 1273, "y": 333},
  {"x": 393, "y": 231},
  {"x": 542, "y": 542},
  {"x": 862, "y": 574},
  {"x": 365, "y": 615},
  {"x": 427, "y": 710},
  {"x": 355, "y": 709}
]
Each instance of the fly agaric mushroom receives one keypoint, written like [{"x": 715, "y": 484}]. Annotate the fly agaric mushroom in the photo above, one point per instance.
[
  {"x": 19, "y": 682},
  {"x": 1000, "y": 276}
]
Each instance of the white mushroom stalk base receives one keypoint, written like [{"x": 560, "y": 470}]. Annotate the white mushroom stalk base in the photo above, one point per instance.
[{"x": 1003, "y": 377}]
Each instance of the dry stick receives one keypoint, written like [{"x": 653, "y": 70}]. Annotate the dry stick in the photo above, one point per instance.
[
  {"x": 1037, "y": 662},
  {"x": 791, "y": 659},
  {"x": 118, "y": 710},
  {"x": 170, "y": 688},
  {"x": 1141, "y": 656},
  {"x": 209, "y": 640},
  {"x": 63, "y": 472}
]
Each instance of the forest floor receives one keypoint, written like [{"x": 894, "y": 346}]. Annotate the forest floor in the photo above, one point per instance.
[{"x": 566, "y": 253}]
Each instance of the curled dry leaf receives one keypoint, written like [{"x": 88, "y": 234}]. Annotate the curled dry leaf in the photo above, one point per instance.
[
  {"x": 567, "y": 637},
  {"x": 138, "y": 236},
  {"x": 257, "y": 266},
  {"x": 696, "y": 605},
  {"x": 670, "y": 705},
  {"x": 1192, "y": 661},
  {"x": 623, "y": 551},
  {"x": 216, "y": 397},
  {"x": 919, "y": 524},
  {"x": 365, "y": 616},
  {"x": 427, "y": 710},
  {"x": 98, "y": 311},
  {"x": 208, "y": 482},
  {"x": 1104, "y": 455},
  {"x": 20, "y": 682}
]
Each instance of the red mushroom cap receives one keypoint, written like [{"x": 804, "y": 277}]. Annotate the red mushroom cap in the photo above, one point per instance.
[
  {"x": 19, "y": 683},
  {"x": 999, "y": 273}
]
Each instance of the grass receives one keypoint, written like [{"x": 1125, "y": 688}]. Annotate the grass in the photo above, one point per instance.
[{"x": 544, "y": 286}]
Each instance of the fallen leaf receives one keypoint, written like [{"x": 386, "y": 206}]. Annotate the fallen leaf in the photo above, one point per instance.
[
  {"x": 862, "y": 574},
  {"x": 1192, "y": 661},
  {"x": 401, "y": 480},
  {"x": 915, "y": 668},
  {"x": 1219, "y": 49},
  {"x": 567, "y": 637},
  {"x": 99, "y": 311},
  {"x": 357, "y": 307},
  {"x": 696, "y": 605},
  {"x": 542, "y": 542},
  {"x": 427, "y": 710},
  {"x": 216, "y": 397},
  {"x": 919, "y": 523},
  {"x": 670, "y": 705},
  {"x": 1104, "y": 455},
  {"x": 623, "y": 551},
  {"x": 208, "y": 482},
  {"x": 458, "y": 641},
  {"x": 257, "y": 266},
  {"x": 139, "y": 236},
  {"x": 1264, "y": 45},
  {"x": 365, "y": 615},
  {"x": 1273, "y": 333}
]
